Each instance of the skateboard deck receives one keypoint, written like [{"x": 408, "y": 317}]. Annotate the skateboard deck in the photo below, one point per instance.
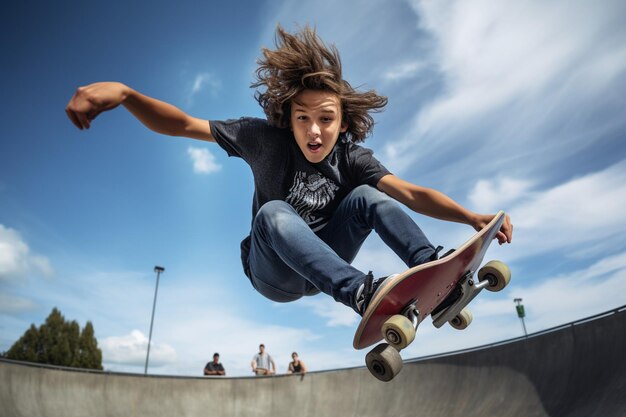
[
  {"x": 423, "y": 288},
  {"x": 261, "y": 371}
]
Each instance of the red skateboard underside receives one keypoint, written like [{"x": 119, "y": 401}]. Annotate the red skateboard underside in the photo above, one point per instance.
[{"x": 427, "y": 285}]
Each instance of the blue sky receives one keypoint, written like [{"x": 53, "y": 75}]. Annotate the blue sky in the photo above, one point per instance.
[{"x": 516, "y": 106}]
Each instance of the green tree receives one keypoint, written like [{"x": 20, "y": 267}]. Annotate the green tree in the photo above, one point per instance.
[
  {"x": 73, "y": 338},
  {"x": 90, "y": 356},
  {"x": 58, "y": 342},
  {"x": 27, "y": 348},
  {"x": 54, "y": 340}
]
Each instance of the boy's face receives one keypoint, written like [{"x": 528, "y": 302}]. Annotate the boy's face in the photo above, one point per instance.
[{"x": 316, "y": 123}]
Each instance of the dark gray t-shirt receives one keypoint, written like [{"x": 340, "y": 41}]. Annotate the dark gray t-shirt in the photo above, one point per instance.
[
  {"x": 212, "y": 366},
  {"x": 281, "y": 172}
]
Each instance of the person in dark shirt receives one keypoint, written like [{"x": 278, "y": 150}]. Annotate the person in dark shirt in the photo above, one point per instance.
[
  {"x": 214, "y": 367},
  {"x": 318, "y": 193},
  {"x": 296, "y": 366}
]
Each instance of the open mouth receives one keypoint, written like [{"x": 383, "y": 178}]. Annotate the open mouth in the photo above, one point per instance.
[{"x": 314, "y": 147}]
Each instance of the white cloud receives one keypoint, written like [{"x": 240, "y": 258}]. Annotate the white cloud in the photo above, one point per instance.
[
  {"x": 193, "y": 319},
  {"x": 201, "y": 329},
  {"x": 204, "y": 162},
  {"x": 490, "y": 54},
  {"x": 335, "y": 313},
  {"x": 403, "y": 71},
  {"x": 131, "y": 349},
  {"x": 580, "y": 218},
  {"x": 13, "y": 304},
  {"x": 564, "y": 298},
  {"x": 583, "y": 211},
  {"x": 518, "y": 83},
  {"x": 375, "y": 256},
  {"x": 491, "y": 195},
  {"x": 203, "y": 81},
  {"x": 16, "y": 259}
]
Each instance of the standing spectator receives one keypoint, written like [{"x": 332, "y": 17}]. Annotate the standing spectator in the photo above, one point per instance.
[
  {"x": 214, "y": 367},
  {"x": 297, "y": 366},
  {"x": 262, "y": 363}
]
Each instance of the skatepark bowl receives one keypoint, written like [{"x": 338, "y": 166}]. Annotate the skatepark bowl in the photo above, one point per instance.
[{"x": 573, "y": 370}]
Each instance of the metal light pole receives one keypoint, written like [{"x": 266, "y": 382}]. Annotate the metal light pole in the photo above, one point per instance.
[
  {"x": 521, "y": 313},
  {"x": 158, "y": 270}
]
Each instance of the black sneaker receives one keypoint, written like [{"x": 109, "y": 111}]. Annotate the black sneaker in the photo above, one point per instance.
[
  {"x": 367, "y": 291},
  {"x": 435, "y": 256}
]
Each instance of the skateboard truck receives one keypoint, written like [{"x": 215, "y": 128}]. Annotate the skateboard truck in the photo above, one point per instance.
[
  {"x": 493, "y": 276},
  {"x": 412, "y": 313},
  {"x": 468, "y": 290}
]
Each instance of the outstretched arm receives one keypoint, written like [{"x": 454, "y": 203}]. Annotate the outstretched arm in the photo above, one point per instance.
[
  {"x": 91, "y": 100},
  {"x": 436, "y": 204}
]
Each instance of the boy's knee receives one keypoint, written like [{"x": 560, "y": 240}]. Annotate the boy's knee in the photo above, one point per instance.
[
  {"x": 273, "y": 206},
  {"x": 273, "y": 293},
  {"x": 273, "y": 209},
  {"x": 273, "y": 214}
]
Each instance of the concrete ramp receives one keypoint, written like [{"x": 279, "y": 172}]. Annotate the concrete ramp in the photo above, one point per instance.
[{"x": 575, "y": 370}]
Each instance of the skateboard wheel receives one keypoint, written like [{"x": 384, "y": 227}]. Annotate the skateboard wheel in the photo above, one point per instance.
[
  {"x": 398, "y": 331},
  {"x": 384, "y": 362},
  {"x": 462, "y": 320},
  {"x": 497, "y": 273}
]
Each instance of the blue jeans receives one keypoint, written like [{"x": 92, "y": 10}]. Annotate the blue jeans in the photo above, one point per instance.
[{"x": 288, "y": 260}]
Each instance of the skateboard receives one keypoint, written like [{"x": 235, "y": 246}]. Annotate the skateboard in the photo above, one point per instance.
[
  {"x": 261, "y": 371},
  {"x": 441, "y": 289}
]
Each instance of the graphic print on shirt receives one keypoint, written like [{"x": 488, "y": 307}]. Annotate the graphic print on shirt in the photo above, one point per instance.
[{"x": 309, "y": 194}]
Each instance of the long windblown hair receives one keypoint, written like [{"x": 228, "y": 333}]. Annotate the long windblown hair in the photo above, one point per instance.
[{"x": 302, "y": 61}]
